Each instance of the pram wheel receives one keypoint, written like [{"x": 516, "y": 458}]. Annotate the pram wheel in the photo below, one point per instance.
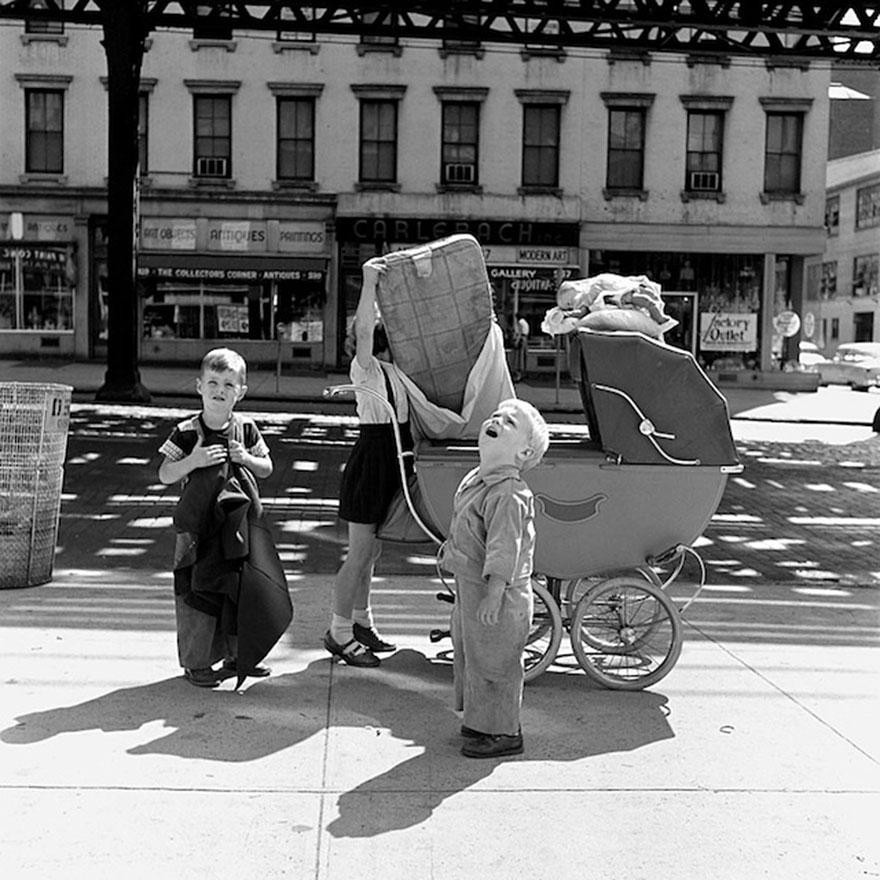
[
  {"x": 626, "y": 633},
  {"x": 545, "y": 634},
  {"x": 577, "y": 588}
]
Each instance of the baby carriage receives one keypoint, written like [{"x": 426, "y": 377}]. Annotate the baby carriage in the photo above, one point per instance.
[{"x": 612, "y": 509}]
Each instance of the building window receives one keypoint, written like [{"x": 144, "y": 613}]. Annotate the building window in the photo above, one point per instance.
[
  {"x": 828, "y": 280},
  {"x": 378, "y": 142},
  {"x": 782, "y": 153},
  {"x": 213, "y": 136},
  {"x": 287, "y": 14},
  {"x": 705, "y": 137},
  {"x": 868, "y": 206},
  {"x": 43, "y": 25},
  {"x": 832, "y": 215},
  {"x": 296, "y": 139},
  {"x": 540, "y": 155},
  {"x": 863, "y": 327},
  {"x": 382, "y": 41},
  {"x": 44, "y": 127},
  {"x": 458, "y": 44},
  {"x": 143, "y": 132},
  {"x": 626, "y": 148},
  {"x": 211, "y": 26},
  {"x": 866, "y": 275},
  {"x": 458, "y": 152}
]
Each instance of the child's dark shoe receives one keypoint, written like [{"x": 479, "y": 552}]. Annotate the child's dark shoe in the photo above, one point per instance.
[
  {"x": 369, "y": 638},
  {"x": 493, "y": 746},
  {"x": 230, "y": 668},
  {"x": 470, "y": 733},
  {"x": 203, "y": 678},
  {"x": 353, "y": 652}
]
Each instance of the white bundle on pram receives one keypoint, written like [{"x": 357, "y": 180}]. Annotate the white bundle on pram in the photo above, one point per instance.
[{"x": 609, "y": 302}]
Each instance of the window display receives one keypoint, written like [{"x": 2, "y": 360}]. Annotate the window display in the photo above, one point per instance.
[{"x": 36, "y": 287}]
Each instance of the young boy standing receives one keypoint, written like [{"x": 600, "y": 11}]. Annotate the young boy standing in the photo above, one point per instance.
[
  {"x": 490, "y": 550},
  {"x": 207, "y": 451}
]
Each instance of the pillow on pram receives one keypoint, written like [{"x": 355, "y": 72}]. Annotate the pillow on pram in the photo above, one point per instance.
[{"x": 622, "y": 319}]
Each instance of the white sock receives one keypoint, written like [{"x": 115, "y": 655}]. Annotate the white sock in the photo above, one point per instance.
[
  {"x": 364, "y": 616},
  {"x": 340, "y": 629}
]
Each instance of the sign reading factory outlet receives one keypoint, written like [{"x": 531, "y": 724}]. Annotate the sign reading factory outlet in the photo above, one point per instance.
[{"x": 728, "y": 331}]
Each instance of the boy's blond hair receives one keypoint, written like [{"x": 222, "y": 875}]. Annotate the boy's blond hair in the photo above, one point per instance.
[
  {"x": 222, "y": 359},
  {"x": 537, "y": 432}
]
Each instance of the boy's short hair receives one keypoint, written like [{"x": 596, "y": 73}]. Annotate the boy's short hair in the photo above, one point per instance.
[
  {"x": 537, "y": 432},
  {"x": 219, "y": 360}
]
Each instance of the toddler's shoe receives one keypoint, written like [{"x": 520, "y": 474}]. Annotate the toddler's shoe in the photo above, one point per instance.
[
  {"x": 204, "y": 677},
  {"x": 352, "y": 652},
  {"x": 369, "y": 638},
  {"x": 230, "y": 668},
  {"x": 493, "y": 746}
]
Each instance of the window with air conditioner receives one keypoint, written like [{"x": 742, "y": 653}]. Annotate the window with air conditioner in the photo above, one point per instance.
[
  {"x": 705, "y": 134},
  {"x": 213, "y": 135},
  {"x": 460, "y": 132}
]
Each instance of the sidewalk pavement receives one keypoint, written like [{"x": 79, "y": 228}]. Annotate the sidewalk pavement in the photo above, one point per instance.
[{"x": 757, "y": 756}]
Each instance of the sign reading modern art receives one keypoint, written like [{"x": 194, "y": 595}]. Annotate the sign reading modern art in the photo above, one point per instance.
[{"x": 728, "y": 331}]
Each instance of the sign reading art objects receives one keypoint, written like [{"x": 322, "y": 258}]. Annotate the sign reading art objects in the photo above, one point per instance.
[{"x": 728, "y": 331}]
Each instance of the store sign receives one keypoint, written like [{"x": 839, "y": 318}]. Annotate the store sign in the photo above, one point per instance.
[
  {"x": 219, "y": 273},
  {"x": 536, "y": 255},
  {"x": 787, "y": 323},
  {"x": 728, "y": 331},
  {"x": 302, "y": 238},
  {"x": 237, "y": 235},
  {"x": 40, "y": 228},
  {"x": 414, "y": 230},
  {"x": 159, "y": 233},
  {"x": 529, "y": 279}
]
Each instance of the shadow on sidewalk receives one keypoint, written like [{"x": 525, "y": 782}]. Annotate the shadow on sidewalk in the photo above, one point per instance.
[{"x": 408, "y": 700}]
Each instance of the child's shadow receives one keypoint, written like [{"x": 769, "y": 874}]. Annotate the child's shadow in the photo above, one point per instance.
[
  {"x": 564, "y": 719},
  {"x": 409, "y": 697}
]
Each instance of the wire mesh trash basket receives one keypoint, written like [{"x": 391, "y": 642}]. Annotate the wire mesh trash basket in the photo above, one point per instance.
[{"x": 34, "y": 420}]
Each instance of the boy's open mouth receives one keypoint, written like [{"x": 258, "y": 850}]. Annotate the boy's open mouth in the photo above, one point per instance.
[{"x": 492, "y": 431}]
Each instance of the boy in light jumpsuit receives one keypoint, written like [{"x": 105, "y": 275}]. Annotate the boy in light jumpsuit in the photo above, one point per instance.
[{"x": 490, "y": 550}]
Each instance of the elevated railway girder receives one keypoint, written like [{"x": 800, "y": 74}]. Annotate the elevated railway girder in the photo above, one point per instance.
[{"x": 847, "y": 32}]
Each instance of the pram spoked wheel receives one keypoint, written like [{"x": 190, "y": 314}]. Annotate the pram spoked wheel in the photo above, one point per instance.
[
  {"x": 545, "y": 635},
  {"x": 626, "y": 633}
]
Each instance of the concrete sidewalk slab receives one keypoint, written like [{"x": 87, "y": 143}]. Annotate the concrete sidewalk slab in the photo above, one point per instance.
[{"x": 747, "y": 760}]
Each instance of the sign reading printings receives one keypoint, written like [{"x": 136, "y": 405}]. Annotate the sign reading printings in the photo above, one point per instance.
[
  {"x": 163, "y": 234},
  {"x": 237, "y": 235},
  {"x": 306, "y": 237},
  {"x": 728, "y": 331}
]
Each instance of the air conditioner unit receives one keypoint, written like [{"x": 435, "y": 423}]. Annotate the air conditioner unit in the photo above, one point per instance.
[
  {"x": 210, "y": 166},
  {"x": 704, "y": 181},
  {"x": 459, "y": 172}
]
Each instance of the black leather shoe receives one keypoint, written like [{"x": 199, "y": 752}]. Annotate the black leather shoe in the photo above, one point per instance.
[
  {"x": 203, "y": 678},
  {"x": 369, "y": 638},
  {"x": 230, "y": 668},
  {"x": 493, "y": 746},
  {"x": 470, "y": 733},
  {"x": 353, "y": 653}
]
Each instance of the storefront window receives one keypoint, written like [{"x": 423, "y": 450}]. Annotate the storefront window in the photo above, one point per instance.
[
  {"x": 36, "y": 287},
  {"x": 724, "y": 312},
  {"x": 177, "y": 310}
]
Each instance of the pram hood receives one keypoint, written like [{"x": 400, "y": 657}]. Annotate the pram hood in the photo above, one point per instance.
[{"x": 647, "y": 402}]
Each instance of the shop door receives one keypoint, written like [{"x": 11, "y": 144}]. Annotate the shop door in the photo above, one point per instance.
[
  {"x": 681, "y": 305},
  {"x": 863, "y": 327}
]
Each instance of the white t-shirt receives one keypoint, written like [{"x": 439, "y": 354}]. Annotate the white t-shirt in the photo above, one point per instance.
[{"x": 370, "y": 411}]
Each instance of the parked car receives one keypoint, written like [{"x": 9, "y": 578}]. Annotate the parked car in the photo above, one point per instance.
[
  {"x": 856, "y": 364},
  {"x": 809, "y": 356}
]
